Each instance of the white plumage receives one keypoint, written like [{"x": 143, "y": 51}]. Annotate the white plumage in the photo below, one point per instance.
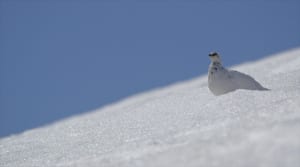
[{"x": 221, "y": 80}]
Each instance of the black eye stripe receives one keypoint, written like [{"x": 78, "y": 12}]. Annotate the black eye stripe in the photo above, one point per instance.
[{"x": 213, "y": 54}]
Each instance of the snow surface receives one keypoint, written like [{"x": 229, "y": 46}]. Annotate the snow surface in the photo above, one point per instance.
[{"x": 179, "y": 125}]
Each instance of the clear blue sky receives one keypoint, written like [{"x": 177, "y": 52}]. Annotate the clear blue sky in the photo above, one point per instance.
[{"x": 59, "y": 58}]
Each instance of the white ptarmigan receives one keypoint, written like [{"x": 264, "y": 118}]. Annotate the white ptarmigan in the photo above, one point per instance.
[{"x": 222, "y": 81}]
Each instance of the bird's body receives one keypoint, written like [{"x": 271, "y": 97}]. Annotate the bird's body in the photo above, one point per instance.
[{"x": 222, "y": 81}]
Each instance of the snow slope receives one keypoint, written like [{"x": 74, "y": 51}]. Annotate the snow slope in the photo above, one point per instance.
[{"x": 180, "y": 125}]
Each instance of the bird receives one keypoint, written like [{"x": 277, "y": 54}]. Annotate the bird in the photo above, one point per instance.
[{"x": 222, "y": 80}]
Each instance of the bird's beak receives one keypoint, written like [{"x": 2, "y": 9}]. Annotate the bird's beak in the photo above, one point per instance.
[{"x": 210, "y": 55}]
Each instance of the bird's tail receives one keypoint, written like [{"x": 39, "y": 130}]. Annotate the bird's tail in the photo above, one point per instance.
[{"x": 265, "y": 89}]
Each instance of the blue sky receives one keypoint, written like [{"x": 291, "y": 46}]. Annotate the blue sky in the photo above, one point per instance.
[{"x": 62, "y": 58}]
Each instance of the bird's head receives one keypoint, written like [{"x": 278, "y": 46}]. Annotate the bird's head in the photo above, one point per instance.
[{"x": 214, "y": 57}]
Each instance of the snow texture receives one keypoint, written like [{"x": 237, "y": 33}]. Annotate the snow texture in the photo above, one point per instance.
[
  {"x": 222, "y": 81},
  {"x": 179, "y": 125}
]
